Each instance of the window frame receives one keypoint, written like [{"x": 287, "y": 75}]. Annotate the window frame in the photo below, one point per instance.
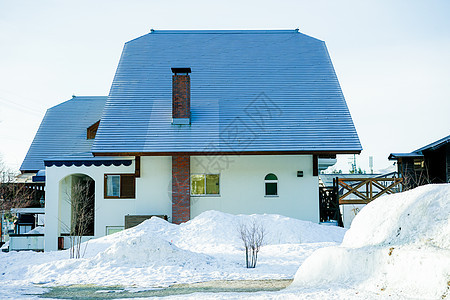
[
  {"x": 114, "y": 227},
  {"x": 121, "y": 190},
  {"x": 266, "y": 181},
  {"x": 204, "y": 181}
]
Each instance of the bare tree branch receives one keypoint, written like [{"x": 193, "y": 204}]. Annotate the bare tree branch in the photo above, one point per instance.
[
  {"x": 253, "y": 237},
  {"x": 12, "y": 193},
  {"x": 82, "y": 213}
]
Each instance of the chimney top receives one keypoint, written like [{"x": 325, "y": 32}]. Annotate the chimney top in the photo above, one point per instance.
[
  {"x": 181, "y": 70},
  {"x": 181, "y": 96}
]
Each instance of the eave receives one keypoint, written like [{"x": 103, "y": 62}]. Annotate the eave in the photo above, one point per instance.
[{"x": 324, "y": 153}]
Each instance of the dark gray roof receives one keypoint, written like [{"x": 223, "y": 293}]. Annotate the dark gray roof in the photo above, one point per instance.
[
  {"x": 63, "y": 130},
  {"x": 270, "y": 90},
  {"x": 434, "y": 145},
  {"x": 419, "y": 152},
  {"x": 394, "y": 156}
]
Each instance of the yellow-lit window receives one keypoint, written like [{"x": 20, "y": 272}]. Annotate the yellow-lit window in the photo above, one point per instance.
[{"x": 205, "y": 184}]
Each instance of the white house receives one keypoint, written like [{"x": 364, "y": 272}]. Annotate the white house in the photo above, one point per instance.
[{"x": 235, "y": 121}]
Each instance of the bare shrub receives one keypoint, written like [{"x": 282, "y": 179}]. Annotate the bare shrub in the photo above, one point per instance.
[
  {"x": 413, "y": 179},
  {"x": 82, "y": 214},
  {"x": 253, "y": 237},
  {"x": 13, "y": 194}
]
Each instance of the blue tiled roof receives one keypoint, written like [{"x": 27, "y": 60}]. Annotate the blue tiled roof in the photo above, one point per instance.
[
  {"x": 63, "y": 130},
  {"x": 250, "y": 91}
]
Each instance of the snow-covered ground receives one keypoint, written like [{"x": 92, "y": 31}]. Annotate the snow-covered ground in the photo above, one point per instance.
[
  {"x": 398, "y": 247},
  {"x": 158, "y": 253}
]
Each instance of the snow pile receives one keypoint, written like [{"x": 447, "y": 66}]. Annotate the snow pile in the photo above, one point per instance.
[
  {"x": 134, "y": 260},
  {"x": 213, "y": 227},
  {"x": 158, "y": 253},
  {"x": 5, "y": 246},
  {"x": 397, "y": 244},
  {"x": 37, "y": 230},
  {"x": 214, "y": 231},
  {"x": 144, "y": 251}
]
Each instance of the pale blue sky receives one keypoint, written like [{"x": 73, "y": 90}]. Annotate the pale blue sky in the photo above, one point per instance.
[{"x": 392, "y": 58}]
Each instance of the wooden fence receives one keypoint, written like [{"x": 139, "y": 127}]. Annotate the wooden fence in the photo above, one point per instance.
[{"x": 366, "y": 189}]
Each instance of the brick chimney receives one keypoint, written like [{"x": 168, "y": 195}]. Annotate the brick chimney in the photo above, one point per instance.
[
  {"x": 181, "y": 196},
  {"x": 181, "y": 96}
]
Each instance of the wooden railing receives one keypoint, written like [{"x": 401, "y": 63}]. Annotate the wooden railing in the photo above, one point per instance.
[{"x": 366, "y": 189}]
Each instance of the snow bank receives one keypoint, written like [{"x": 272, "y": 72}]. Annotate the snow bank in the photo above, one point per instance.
[
  {"x": 143, "y": 251},
  {"x": 37, "y": 230},
  {"x": 158, "y": 253},
  {"x": 397, "y": 244},
  {"x": 214, "y": 230},
  {"x": 213, "y": 227}
]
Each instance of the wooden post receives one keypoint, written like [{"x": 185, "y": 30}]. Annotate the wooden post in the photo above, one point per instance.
[
  {"x": 315, "y": 165},
  {"x": 137, "y": 166},
  {"x": 60, "y": 243},
  {"x": 367, "y": 190}
]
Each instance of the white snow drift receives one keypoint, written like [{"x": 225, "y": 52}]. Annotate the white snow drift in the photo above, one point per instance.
[
  {"x": 398, "y": 244},
  {"x": 158, "y": 253}
]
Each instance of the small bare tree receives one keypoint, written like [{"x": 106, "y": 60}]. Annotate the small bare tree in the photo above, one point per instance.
[
  {"x": 253, "y": 237},
  {"x": 82, "y": 213},
  {"x": 13, "y": 194}
]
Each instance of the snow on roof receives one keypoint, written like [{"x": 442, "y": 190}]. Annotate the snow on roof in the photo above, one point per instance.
[{"x": 250, "y": 91}]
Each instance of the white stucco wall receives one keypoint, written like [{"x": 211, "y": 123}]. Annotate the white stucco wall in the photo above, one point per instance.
[
  {"x": 154, "y": 187},
  {"x": 242, "y": 186},
  {"x": 241, "y": 190},
  {"x": 152, "y": 196},
  {"x": 57, "y": 210}
]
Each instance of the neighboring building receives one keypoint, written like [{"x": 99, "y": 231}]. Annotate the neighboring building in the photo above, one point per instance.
[
  {"x": 429, "y": 164},
  {"x": 235, "y": 121},
  {"x": 28, "y": 232}
]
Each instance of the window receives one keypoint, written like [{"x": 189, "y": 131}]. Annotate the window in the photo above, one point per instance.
[
  {"x": 119, "y": 186},
  {"x": 205, "y": 184},
  {"x": 22, "y": 229},
  {"x": 113, "y": 229},
  {"x": 92, "y": 130},
  {"x": 271, "y": 184},
  {"x": 113, "y": 185},
  {"x": 419, "y": 164}
]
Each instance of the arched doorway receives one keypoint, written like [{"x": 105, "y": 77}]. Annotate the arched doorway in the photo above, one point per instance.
[{"x": 77, "y": 205}]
